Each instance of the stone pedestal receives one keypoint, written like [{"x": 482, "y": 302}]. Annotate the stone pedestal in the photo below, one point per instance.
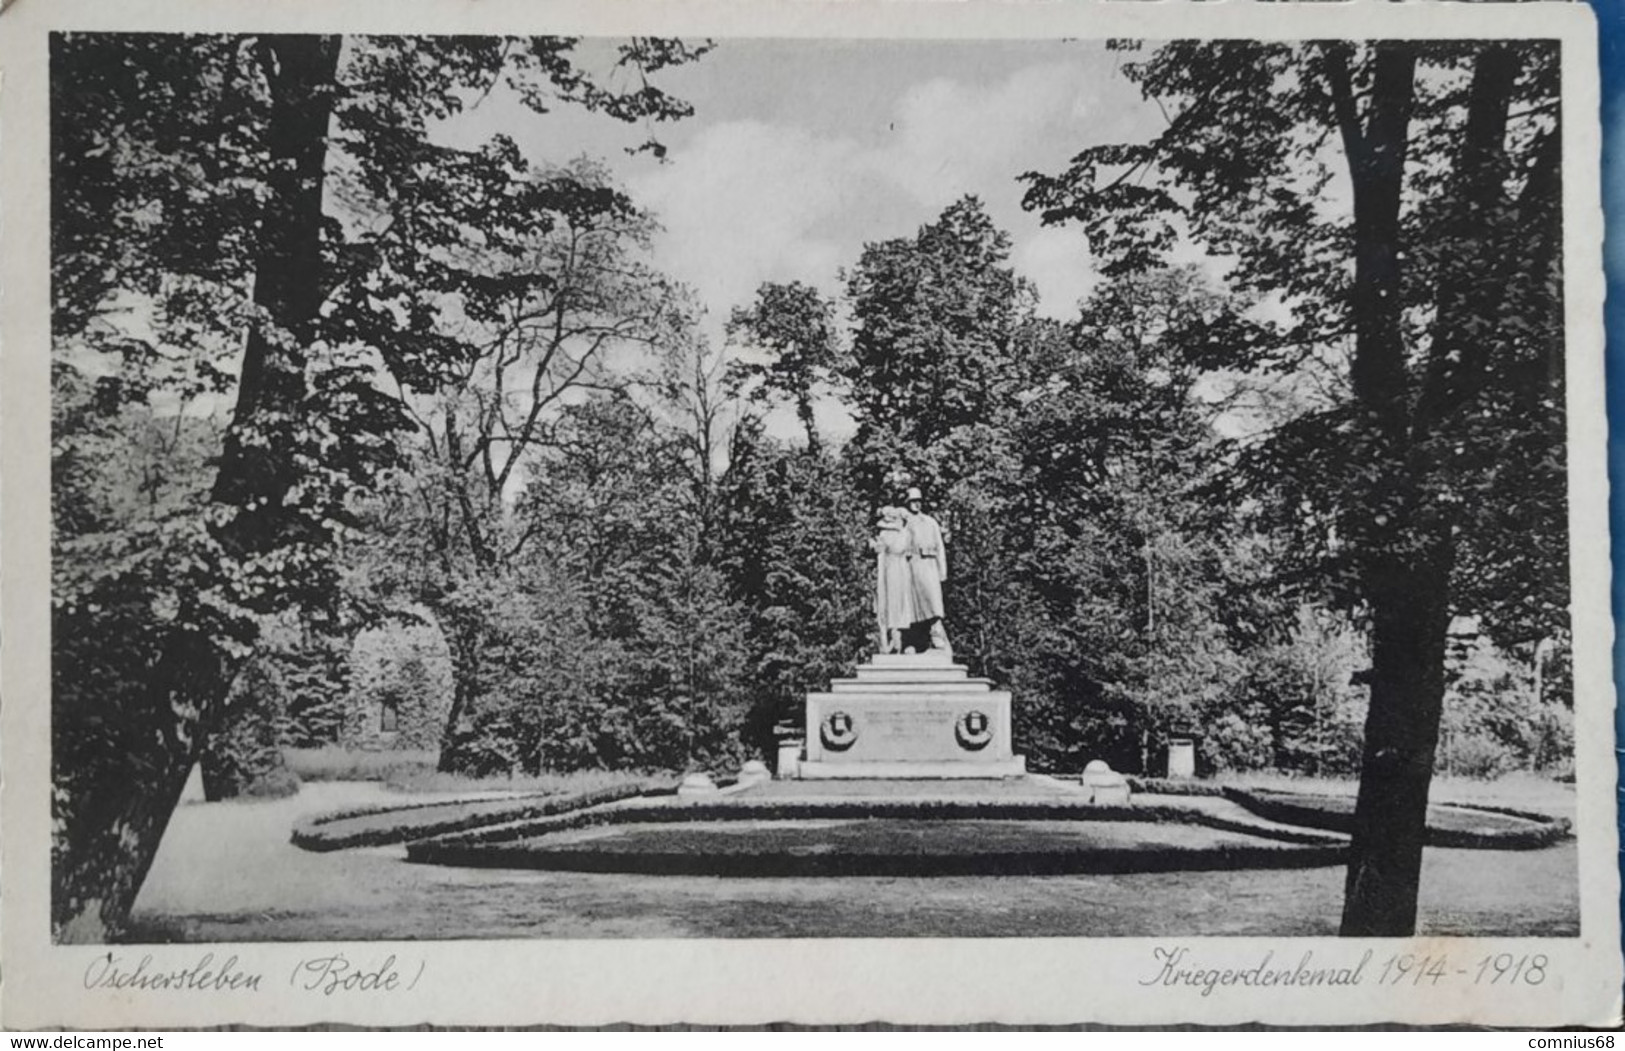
[{"x": 910, "y": 715}]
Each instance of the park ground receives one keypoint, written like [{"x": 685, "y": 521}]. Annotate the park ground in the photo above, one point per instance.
[{"x": 227, "y": 872}]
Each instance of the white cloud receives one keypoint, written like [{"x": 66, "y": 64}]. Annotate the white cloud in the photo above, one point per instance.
[
  {"x": 748, "y": 202},
  {"x": 1056, "y": 259},
  {"x": 781, "y": 192},
  {"x": 955, "y": 137}
]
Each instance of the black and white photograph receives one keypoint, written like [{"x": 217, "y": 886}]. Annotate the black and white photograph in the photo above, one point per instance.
[{"x": 556, "y": 487}]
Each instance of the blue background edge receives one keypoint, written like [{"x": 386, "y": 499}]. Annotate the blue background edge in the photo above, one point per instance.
[{"x": 1611, "y": 51}]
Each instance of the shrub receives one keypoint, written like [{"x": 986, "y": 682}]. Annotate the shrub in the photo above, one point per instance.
[
  {"x": 1477, "y": 756},
  {"x": 427, "y": 779},
  {"x": 1238, "y": 741},
  {"x": 277, "y": 784},
  {"x": 1158, "y": 786},
  {"x": 336, "y": 763},
  {"x": 242, "y": 756},
  {"x": 373, "y": 828}
]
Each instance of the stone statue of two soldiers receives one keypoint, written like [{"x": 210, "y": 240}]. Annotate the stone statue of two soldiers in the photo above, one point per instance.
[{"x": 911, "y": 564}]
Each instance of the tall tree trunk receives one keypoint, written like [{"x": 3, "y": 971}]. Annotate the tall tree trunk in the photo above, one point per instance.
[
  {"x": 1410, "y": 621},
  {"x": 1376, "y": 148},
  {"x": 1477, "y": 245},
  {"x": 115, "y": 831},
  {"x": 804, "y": 413},
  {"x": 114, "y": 823},
  {"x": 1412, "y": 555},
  {"x": 257, "y": 468},
  {"x": 1385, "y": 855},
  {"x": 465, "y": 655}
]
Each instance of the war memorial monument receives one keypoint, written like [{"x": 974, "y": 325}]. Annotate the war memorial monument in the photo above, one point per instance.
[{"x": 910, "y": 710}]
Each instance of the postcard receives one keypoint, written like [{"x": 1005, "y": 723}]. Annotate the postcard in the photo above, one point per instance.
[{"x": 801, "y": 512}]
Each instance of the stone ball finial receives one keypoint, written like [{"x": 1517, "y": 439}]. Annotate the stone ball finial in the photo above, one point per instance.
[{"x": 697, "y": 785}]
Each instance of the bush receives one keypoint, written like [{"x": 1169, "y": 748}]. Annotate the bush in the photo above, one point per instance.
[
  {"x": 1159, "y": 786},
  {"x": 1238, "y": 741},
  {"x": 1493, "y": 722},
  {"x": 336, "y": 763},
  {"x": 618, "y": 646},
  {"x": 278, "y": 784},
  {"x": 428, "y": 779},
  {"x": 242, "y": 756},
  {"x": 1477, "y": 757},
  {"x": 1554, "y": 740}
]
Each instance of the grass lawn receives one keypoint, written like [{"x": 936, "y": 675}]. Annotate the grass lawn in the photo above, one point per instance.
[
  {"x": 227, "y": 872},
  {"x": 408, "y": 771},
  {"x": 896, "y": 836},
  {"x": 890, "y": 846}
]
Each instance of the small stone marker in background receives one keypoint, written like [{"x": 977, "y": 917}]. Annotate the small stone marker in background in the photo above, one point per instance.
[
  {"x": 789, "y": 767},
  {"x": 1181, "y": 758}
]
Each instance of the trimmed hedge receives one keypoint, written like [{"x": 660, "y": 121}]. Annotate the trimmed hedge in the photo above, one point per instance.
[
  {"x": 475, "y": 847},
  {"x": 383, "y": 826},
  {"x": 1162, "y": 786},
  {"x": 1448, "y": 826},
  {"x": 491, "y": 833},
  {"x": 745, "y": 809},
  {"x": 769, "y": 862},
  {"x": 1528, "y": 815}
]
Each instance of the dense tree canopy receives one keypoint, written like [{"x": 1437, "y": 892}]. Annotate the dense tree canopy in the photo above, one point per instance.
[
  {"x": 1436, "y": 292},
  {"x": 343, "y": 413},
  {"x": 936, "y": 345},
  {"x": 287, "y": 189},
  {"x": 795, "y": 325}
]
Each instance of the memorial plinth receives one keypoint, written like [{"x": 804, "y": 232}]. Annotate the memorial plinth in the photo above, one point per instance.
[{"x": 910, "y": 715}]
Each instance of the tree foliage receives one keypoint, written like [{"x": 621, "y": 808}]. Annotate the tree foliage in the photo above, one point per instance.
[
  {"x": 1400, "y": 200},
  {"x": 215, "y": 193},
  {"x": 791, "y": 544},
  {"x": 936, "y": 347},
  {"x": 795, "y": 326},
  {"x": 350, "y": 412}
]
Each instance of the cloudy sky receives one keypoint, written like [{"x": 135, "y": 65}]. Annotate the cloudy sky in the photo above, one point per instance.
[{"x": 800, "y": 152}]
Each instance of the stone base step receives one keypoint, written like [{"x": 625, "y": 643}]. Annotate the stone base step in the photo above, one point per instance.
[
  {"x": 999, "y": 769},
  {"x": 894, "y": 689},
  {"x": 938, "y": 673},
  {"x": 884, "y": 695},
  {"x": 928, "y": 659}
]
